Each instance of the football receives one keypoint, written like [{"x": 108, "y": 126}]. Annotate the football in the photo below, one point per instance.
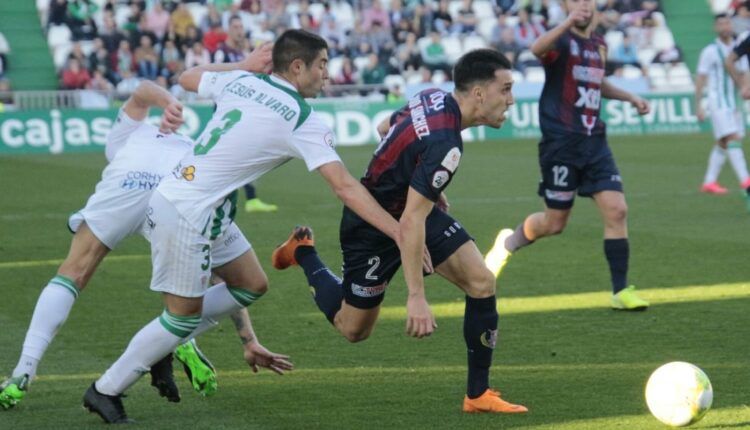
[{"x": 679, "y": 394}]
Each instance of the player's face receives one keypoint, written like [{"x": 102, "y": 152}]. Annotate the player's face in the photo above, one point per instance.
[
  {"x": 496, "y": 99},
  {"x": 313, "y": 78},
  {"x": 583, "y": 5},
  {"x": 723, "y": 28}
]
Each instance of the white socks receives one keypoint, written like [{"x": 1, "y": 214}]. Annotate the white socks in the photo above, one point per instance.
[
  {"x": 52, "y": 309},
  {"x": 715, "y": 161},
  {"x": 220, "y": 301}
]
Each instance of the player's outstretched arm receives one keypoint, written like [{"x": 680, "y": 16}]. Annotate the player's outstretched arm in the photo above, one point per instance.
[
  {"x": 546, "y": 42},
  {"x": 148, "y": 95},
  {"x": 612, "y": 92},
  {"x": 259, "y": 61},
  {"x": 256, "y": 355},
  {"x": 419, "y": 319}
]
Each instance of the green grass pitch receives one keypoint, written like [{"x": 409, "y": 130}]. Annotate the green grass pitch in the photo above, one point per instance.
[{"x": 561, "y": 351}]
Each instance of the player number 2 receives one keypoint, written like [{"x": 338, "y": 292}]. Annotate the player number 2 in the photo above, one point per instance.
[
  {"x": 374, "y": 262},
  {"x": 232, "y": 117},
  {"x": 561, "y": 175}
]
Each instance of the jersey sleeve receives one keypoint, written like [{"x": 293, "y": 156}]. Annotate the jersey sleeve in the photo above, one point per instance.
[
  {"x": 743, "y": 48},
  {"x": 552, "y": 55},
  {"x": 704, "y": 63},
  {"x": 212, "y": 84},
  {"x": 123, "y": 127},
  {"x": 437, "y": 164},
  {"x": 314, "y": 143}
]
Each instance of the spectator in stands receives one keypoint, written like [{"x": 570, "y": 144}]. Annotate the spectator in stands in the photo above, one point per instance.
[
  {"x": 123, "y": 60},
  {"x": 527, "y": 31},
  {"x": 401, "y": 31},
  {"x": 347, "y": 75},
  {"x": 222, "y": 5},
  {"x": 171, "y": 59},
  {"x": 264, "y": 35},
  {"x": 624, "y": 54},
  {"x": 505, "y": 7},
  {"x": 214, "y": 37},
  {"x": 99, "y": 82},
  {"x": 421, "y": 20},
  {"x": 212, "y": 17},
  {"x": 381, "y": 40},
  {"x": 197, "y": 56},
  {"x": 192, "y": 35},
  {"x": 100, "y": 60},
  {"x": 396, "y": 13},
  {"x": 110, "y": 35},
  {"x": 235, "y": 48},
  {"x": 509, "y": 46},
  {"x": 466, "y": 21},
  {"x": 375, "y": 72},
  {"x": 434, "y": 56},
  {"x": 741, "y": 19},
  {"x": 333, "y": 33},
  {"x": 146, "y": 60},
  {"x": 58, "y": 13},
  {"x": 442, "y": 21},
  {"x": 256, "y": 17},
  {"x": 395, "y": 94},
  {"x": 128, "y": 84},
  {"x": 182, "y": 19},
  {"x": 157, "y": 20},
  {"x": 497, "y": 30},
  {"x": 75, "y": 77},
  {"x": 408, "y": 55},
  {"x": 81, "y": 21},
  {"x": 233, "y": 11},
  {"x": 375, "y": 13},
  {"x": 536, "y": 8},
  {"x": 303, "y": 18},
  {"x": 134, "y": 18}
]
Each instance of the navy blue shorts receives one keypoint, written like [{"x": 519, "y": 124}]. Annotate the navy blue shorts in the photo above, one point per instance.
[
  {"x": 582, "y": 164},
  {"x": 372, "y": 258}
]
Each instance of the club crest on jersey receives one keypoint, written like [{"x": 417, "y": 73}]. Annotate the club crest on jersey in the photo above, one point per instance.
[
  {"x": 451, "y": 160},
  {"x": 328, "y": 139},
  {"x": 188, "y": 173},
  {"x": 440, "y": 178},
  {"x": 574, "y": 49}
]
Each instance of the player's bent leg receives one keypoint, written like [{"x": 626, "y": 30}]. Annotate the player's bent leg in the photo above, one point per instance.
[
  {"x": 355, "y": 324},
  {"x": 52, "y": 309},
  {"x": 548, "y": 223},
  {"x": 466, "y": 269}
]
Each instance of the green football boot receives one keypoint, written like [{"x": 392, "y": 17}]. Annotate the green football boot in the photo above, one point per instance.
[
  {"x": 628, "y": 300},
  {"x": 498, "y": 256},
  {"x": 198, "y": 369},
  {"x": 13, "y": 390}
]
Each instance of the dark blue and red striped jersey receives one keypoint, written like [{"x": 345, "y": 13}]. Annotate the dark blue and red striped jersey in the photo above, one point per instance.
[
  {"x": 422, "y": 149},
  {"x": 571, "y": 97}
]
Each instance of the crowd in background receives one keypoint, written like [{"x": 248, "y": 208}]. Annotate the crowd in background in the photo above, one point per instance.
[{"x": 160, "y": 39}]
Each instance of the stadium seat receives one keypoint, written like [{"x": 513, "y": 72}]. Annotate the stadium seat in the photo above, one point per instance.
[
  {"x": 453, "y": 8},
  {"x": 487, "y": 26},
  {"x": 646, "y": 55},
  {"x": 198, "y": 11},
  {"x": 343, "y": 13},
  {"x": 360, "y": 62},
  {"x": 58, "y": 35},
  {"x": 631, "y": 72},
  {"x": 439, "y": 77},
  {"x": 60, "y": 54},
  {"x": 474, "y": 42},
  {"x": 535, "y": 74},
  {"x": 719, "y": 6},
  {"x": 517, "y": 76},
  {"x": 453, "y": 48},
  {"x": 614, "y": 39},
  {"x": 392, "y": 81},
  {"x": 317, "y": 10},
  {"x": 659, "y": 19},
  {"x": 335, "y": 65},
  {"x": 662, "y": 39},
  {"x": 122, "y": 13},
  {"x": 526, "y": 56},
  {"x": 414, "y": 79},
  {"x": 483, "y": 8},
  {"x": 87, "y": 46},
  {"x": 511, "y": 21},
  {"x": 657, "y": 75}
]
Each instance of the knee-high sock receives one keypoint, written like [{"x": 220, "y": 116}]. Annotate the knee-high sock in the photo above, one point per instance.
[
  {"x": 737, "y": 158},
  {"x": 715, "y": 161},
  {"x": 52, "y": 309},
  {"x": 220, "y": 301},
  {"x": 152, "y": 343},
  {"x": 617, "y": 252},
  {"x": 480, "y": 334},
  {"x": 327, "y": 290}
]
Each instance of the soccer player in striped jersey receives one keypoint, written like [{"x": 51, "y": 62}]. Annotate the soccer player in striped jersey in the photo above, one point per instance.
[
  {"x": 573, "y": 154},
  {"x": 727, "y": 119},
  {"x": 417, "y": 158}
]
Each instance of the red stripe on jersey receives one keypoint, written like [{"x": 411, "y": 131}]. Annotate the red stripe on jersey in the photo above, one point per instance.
[
  {"x": 569, "y": 92},
  {"x": 384, "y": 160}
]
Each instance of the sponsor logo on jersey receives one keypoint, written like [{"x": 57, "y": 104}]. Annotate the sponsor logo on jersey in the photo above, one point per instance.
[
  {"x": 489, "y": 338},
  {"x": 574, "y": 49},
  {"x": 593, "y": 75},
  {"x": 452, "y": 159},
  {"x": 360, "y": 291},
  {"x": 590, "y": 98},
  {"x": 328, "y": 139},
  {"x": 232, "y": 237},
  {"x": 135, "y": 180},
  {"x": 560, "y": 196},
  {"x": 440, "y": 178},
  {"x": 188, "y": 173}
]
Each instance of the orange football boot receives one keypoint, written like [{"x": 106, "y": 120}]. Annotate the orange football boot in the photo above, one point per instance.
[
  {"x": 490, "y": 402},
  {"x": 283, "y": 255}
]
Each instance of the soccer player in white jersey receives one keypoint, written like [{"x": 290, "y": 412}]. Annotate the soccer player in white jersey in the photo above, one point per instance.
[
  {"x": 139, "y": 154},
  {"x": 261, "y": 122},
  {"x": 726, "y": 114}
]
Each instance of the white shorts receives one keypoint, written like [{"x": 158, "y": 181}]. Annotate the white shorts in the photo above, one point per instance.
[
  {"x": 726, "y": 122},
  {"x": 181, "y": 257},
  {"x": 112, "y": 216}
]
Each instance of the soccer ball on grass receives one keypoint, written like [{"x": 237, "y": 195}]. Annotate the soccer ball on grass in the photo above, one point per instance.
[{"x": 679, "y": 394}]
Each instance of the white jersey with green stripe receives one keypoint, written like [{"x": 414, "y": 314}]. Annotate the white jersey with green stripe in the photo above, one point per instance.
[
  {"x": 721, "y": 89},
  {"x": 260, "y": 123}
]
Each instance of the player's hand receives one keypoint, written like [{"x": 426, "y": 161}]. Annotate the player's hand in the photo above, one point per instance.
[
  {"x": 171, "y": 118},
  {"x": 256, "y": 355},
  {"x": 640, "y": 105},
  {"x": 577, "y": 15},
  {"x": 427, "y": 261},
  {"x": 442, "y": 203},
  {"x": 701, "y": 114},
  {"x": 419, "y": 319},
  {"x": 259, "y": 61}
]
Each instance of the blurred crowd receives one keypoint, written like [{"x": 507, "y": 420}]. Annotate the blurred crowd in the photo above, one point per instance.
[{"x": 118, "y": 43}]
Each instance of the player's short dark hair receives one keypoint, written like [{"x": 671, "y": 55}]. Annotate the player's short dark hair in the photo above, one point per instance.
[
  {"x": 478, "y": 65},
  {"x": 296, "y": 44}
]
